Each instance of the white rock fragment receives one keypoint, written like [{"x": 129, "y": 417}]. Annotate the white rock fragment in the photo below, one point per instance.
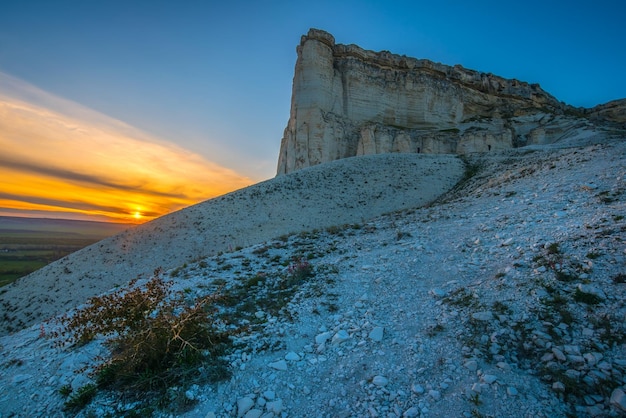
[
  {"x": 417, "y": 388},
  {"x": 275, "y": 407},
  {"x": 244, "y": 405},
  {"x": 489, "y": 378},
  {"x": 279, "y": 365},
  {"x": 253, "y": 413},
  {"x": 558, "y": 354},
  {"x": 291, "y": 356},
  {"x": 511, "y": 391},
  {"x": 323, "y": 337},
  {"x": 471, "y": 365},
  {"x": 504, "y": 366},
  {"x": 435, "y": 394},
  {"x": 270, "y": 395},
  {"x": 507, "y": 242},
  {"x": 340, "y": 337},
  {"x": 376, "y": 334},
  {"x": 483, "y": 316},
  {"x": 618, "y": 399},
  {"x": 380, "y": 380},
  {"x": 438, "y": 293},
  {"x": 411, "y": 412}
]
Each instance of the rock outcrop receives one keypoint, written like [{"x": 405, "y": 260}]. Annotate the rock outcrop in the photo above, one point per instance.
[
  {"x": 347, "y": 101},
  {"x": 613, "y": 112}
]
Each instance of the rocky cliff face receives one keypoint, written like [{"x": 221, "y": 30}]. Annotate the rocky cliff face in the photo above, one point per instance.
[{"x": 347, "y": 101}]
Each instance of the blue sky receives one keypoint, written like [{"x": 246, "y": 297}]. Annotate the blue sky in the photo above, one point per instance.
[{"x": 215, "y": 78}]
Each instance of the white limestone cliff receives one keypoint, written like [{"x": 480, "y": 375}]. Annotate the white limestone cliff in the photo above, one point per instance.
[{"x": 347, "y": 101}]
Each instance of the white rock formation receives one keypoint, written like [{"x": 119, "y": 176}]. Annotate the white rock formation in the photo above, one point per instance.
[{"x": 347, "y": 101}]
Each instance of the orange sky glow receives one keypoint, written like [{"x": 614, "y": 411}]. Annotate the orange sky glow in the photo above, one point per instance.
[{"x": 63, "y": 160}]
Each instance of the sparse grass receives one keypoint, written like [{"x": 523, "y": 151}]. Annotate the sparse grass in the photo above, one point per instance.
[
  {"x": 401, "y": 235},
  {"x": 501, "y": 308},
  {"x": 553, "y": 248},
  {"x": 620, "y": 278},
  {"x": 475, "y": 399},
  {"x": 462, "y": 298},
  {"x": 434, "y": 330},
  {"x": 592, "y": 255},
  {"x": 588, "y": 298},
  {"x": 65, "y": 390},
  {"x": 81, "y": 398},
  {"x": 565, "y": 276}
]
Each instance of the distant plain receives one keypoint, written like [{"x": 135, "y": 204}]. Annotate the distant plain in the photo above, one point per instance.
[{"x": 28, "y": 244}]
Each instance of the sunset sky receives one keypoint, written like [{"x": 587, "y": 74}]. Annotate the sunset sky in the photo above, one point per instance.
[{"x": 127, "y": 110}]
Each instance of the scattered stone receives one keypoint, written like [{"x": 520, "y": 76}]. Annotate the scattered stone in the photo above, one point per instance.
[
  {"x": 340, "y": 337},
  {"x": 275, "y": 407},
  {"x": 380, "y": 381},
  {"x": 279, "y": 365},
  {"x": 618, "y": 399},
  {"x": 507, "y": 242},
  {"x": 253, "y": 413},
  {"x": 323, "y": 337},
  {"x": 291, "y": 356},
  {"x": 411, "y": 412},
  {"x": 376, "y": 334},
  {"x": 438, "y": 293},
  {"x": 489, "y": 378},
  {"x": 483, "y": 316},
  {"x": 511, "y": 391},
  {"x": 435, "y": 394},
  {"x": 558, "y": 387},
  {"x": 244, "y": 405},
  {"x": 471, "y": 365},
  {"x": 591, "y": 290},
  {"x": 558, "y": 354},
  {"x": 417, "y": 388}
]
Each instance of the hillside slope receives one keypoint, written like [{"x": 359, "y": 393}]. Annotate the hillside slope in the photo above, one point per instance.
[
  {"x": 342, "y": 192},
  {"x": 505, "y": 298}
]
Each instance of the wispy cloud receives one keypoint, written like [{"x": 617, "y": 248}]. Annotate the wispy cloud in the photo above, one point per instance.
[{"x": 60, "y": 156}]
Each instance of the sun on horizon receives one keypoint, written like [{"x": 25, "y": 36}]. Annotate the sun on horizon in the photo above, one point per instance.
[{"x": 54, "y": 164}]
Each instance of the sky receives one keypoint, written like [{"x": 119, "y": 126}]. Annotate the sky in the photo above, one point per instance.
[{"x": 127, "y": 110}]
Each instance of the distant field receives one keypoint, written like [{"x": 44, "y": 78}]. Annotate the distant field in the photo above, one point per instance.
[{"x": 28, "y": 244}]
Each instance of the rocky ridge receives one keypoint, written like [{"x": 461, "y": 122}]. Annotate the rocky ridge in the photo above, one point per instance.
[
  {"x": 505, "y": 297},
  {"x": 347, "y": 101}
]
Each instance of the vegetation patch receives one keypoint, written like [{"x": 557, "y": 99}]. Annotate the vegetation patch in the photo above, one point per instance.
[
  {"x": 156, "y": 337},
  {"x": 588, "y": 298}
]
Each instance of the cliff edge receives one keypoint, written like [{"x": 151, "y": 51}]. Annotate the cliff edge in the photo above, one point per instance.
[{"x": 347, "y": 101}]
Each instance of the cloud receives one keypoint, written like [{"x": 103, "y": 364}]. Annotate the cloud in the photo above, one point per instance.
[{"x": 58, "y": 155}]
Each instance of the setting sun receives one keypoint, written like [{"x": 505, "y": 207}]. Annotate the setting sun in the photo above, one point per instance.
[{"x": 118, "y": 164}]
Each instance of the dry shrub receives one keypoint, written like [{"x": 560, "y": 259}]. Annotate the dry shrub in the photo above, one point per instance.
[{"x": 157, "y": 339}]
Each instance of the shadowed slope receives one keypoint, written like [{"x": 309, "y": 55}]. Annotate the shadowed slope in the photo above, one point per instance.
[{"x": 344, "y": 191}]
